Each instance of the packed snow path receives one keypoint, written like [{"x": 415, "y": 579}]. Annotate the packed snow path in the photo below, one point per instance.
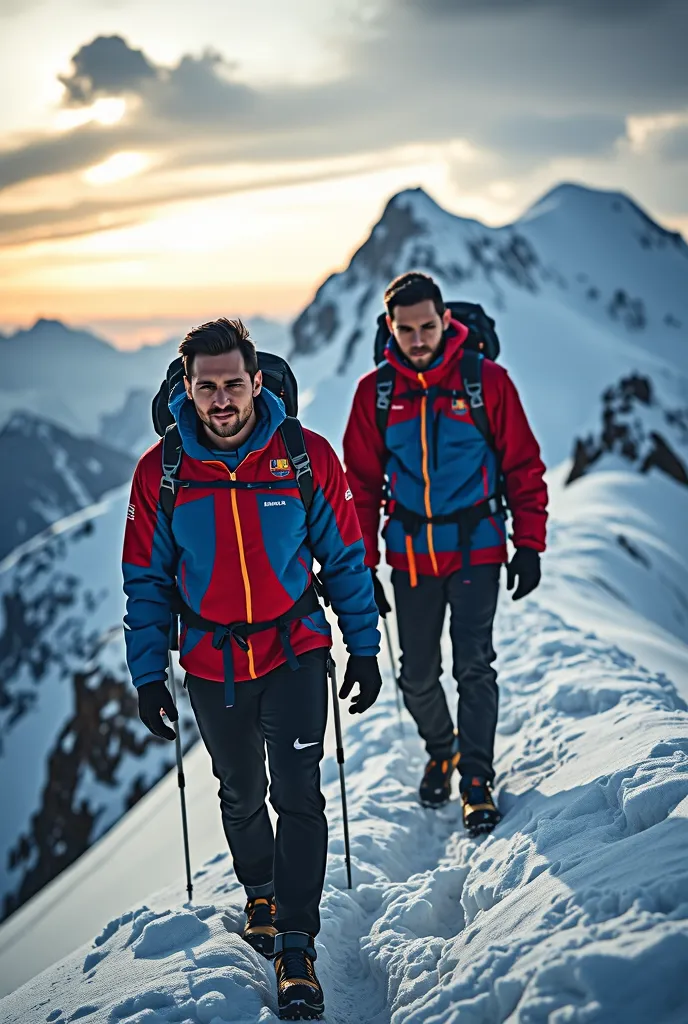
[{"x": 575, "y": 909}]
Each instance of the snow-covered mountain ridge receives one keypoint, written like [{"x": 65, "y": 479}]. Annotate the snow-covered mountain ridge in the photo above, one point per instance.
[
  {"x": 585, "y": 288},
  {"x": 571, "y": 241}
]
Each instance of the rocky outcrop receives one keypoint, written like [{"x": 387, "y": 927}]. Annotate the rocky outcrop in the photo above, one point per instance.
[{"x": 639, "y": 429}]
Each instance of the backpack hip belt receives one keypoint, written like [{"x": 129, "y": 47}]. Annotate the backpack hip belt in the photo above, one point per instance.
[
  {"x": 239, "y": 632},
  {"x": 465, "y": 518}
]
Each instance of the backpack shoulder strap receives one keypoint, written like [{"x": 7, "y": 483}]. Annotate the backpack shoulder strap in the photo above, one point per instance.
[
  {"x": 295, "y": 443},
  {"x": 384, "y": 389},
  {"x": 172, "y": 452},
  {"x": 472, "y": 373}
]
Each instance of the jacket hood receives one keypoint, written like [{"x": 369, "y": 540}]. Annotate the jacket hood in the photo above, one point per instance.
[
  {"x": 270, "y": 412},
  {"x": 455, "y": 336}
]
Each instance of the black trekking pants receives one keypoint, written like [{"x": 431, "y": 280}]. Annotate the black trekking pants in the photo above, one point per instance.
[
  {"x": 421, "y": 612},
  {"x": 287, "y": 712}
]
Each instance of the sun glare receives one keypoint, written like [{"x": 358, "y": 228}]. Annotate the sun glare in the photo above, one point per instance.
[
  {"x": 116, "y": 168},
  {"x": 106, "y": 111}
]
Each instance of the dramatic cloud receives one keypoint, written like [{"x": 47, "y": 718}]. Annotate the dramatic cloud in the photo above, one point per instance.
[
  {"x": 56, "y": 154},
  {"x": 106, "y": 67},
  {"x": 523, "y": 82},
  {"x": 559, "y": 57}
]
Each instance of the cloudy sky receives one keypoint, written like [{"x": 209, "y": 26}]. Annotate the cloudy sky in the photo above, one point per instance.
[{"x": 163, "y": 162}]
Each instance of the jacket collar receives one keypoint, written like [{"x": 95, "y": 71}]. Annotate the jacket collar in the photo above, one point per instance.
[
  {"x": 455, "y": 336},
  {"x": 271, "y": 415}
]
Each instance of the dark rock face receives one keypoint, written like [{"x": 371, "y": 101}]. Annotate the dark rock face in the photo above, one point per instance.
[
  {"x": 629, "y": 311},
  {"x": 661, "y": 456},
  {"x": 636, "y": 427},
  {"x": 52, "y": 474}
]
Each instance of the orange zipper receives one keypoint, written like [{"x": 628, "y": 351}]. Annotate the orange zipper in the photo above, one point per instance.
[
  {"x": 426, "y": 473},
  {"x": 242, "y": 560}
]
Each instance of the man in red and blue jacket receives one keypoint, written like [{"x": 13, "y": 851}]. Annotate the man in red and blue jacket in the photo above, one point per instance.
[
  {"x": 442, "y": 482},
  {"x": 236, "y": 558}
]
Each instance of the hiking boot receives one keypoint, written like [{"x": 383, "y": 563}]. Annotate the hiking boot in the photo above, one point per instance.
[
  {"x": 259, "y": 930},
  {"x": 480, "y": 814},
  {"x": 299, "y": 996},
  {"x": 435, "y": 787}
]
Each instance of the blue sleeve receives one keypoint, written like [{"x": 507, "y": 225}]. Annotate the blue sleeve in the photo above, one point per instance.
[{"x": 149, "y": 571}]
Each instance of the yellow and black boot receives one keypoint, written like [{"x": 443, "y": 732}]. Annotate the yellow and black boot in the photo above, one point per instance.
[
  {"x": 435, "y": 787},
  {"x": 259, "y": 930},
  {"x": 299, "y": 996},
  {"x": 480, "y": 813}
]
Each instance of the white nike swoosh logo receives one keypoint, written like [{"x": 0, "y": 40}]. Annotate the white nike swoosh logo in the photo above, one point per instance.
[{"x": 302, "y": 746}]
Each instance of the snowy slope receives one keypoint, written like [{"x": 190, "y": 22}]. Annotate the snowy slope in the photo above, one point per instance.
[
  {"x": 53, "y": 474},
  {"x": 70, "y": 738},
  {"x": 578, "y": 899},
  {"x": 621, "y": 550},
  {"x": 584, "y": 288}
]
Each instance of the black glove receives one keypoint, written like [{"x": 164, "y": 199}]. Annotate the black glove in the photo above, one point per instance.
[
  {"x": 154, "y": 698},
  {"x": 362, "y": 669},
  {"x": 383, "y": 605},
  {"x": 526, "y": 565}
]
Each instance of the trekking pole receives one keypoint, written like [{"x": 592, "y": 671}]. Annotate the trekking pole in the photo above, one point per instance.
[
  {"x": 181, "y": 781},
  {"x": 393, "y": 662},
  {"x": 332, "y": 672}
]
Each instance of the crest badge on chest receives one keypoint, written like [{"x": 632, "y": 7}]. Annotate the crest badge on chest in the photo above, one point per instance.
[
  {"x": 459, "y": 406},
  {"x": 280, "y": 467}
]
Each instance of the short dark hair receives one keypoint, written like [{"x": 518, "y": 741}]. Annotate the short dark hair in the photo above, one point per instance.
[
  {"x": 216, "y": 337},
  {"x": 411, "y": 288}
]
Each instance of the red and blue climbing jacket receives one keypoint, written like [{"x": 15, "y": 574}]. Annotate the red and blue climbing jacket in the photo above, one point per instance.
[
  {"x": 441, "y": 481},
  {"x": 236, "y": 553}
]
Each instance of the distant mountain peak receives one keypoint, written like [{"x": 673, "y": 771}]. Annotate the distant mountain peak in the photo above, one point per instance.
[
  {"x": 47, "y": 331},
  {"x": 573, "y": 199},
  {"x": 44, "y": 323},
  {"x": 416, "y": 197}
]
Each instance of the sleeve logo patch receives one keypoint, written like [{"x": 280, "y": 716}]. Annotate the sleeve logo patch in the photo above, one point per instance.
[
  {"x": 348, "y": 496},
  {"x": 131, "y": 512},
  {"x": 280, "y": 467}
]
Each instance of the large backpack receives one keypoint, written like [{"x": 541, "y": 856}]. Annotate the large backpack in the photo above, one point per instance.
[
  {"x": 278, "y": 377},
  {"x": 481, "y": 340}
]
